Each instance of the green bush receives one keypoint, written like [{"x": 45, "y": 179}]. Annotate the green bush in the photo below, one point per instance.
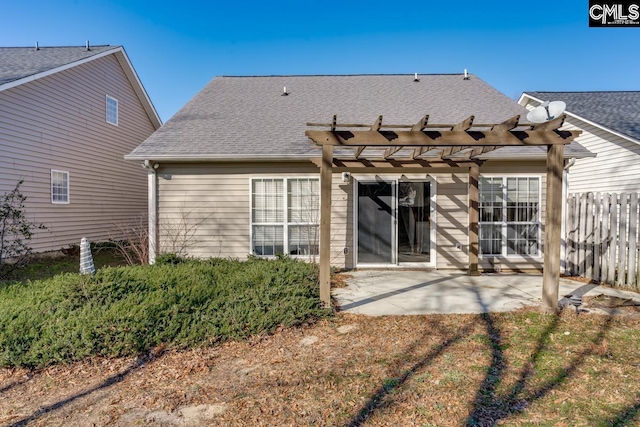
[{"x": 125, "y": 311}]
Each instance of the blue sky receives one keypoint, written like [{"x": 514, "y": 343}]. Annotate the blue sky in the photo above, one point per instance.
[{"x": 177, "y": 47}]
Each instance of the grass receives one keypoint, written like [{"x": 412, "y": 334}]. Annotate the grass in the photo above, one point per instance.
[
  {"x": 46, "y": 268},
  {"x": 125, "y": 311}
]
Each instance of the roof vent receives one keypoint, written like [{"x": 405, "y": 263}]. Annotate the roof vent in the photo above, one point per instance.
[
  {"x": 284, "y": 92},
  {"x": 86, "y": 46},
  {"x": 415, "y": 77},
  {"x": 37, "y": 47},
  {"x": 466, "y": 76}
]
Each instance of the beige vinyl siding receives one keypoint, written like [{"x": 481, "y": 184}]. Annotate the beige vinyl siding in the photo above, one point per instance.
[
  {"x": 58, "y": 122},
  {"x": 616, "y": 168},
  {"x": 218, "y": 198},
  {"x": 520, "y": 168},
  {"x": 452, "y": 218},
  {"x": 342, "y": 220}
]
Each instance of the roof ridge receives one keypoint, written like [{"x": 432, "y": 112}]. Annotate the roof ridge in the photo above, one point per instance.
[
  {"x": 56, "y": 47},
  {"x": 583, "y": 91},
  {"x": 348, "y": 75}
]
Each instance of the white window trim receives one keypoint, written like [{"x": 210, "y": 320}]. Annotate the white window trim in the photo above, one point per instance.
[
  {"x": 58, "y": 202},
  {"x": 107, "y": 99},
  {"x": 503, "y": 253},
  {"x": 285, "y": 208}
]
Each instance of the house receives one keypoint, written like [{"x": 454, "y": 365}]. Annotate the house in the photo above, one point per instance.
[
  {"x": 610, "y": 125},
  {"x": 68, "y": 115},
  {"x": 245, "y": 160}
]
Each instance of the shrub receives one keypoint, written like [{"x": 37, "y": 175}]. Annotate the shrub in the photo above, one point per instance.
[
  {"x": 15, "y": 229},
  {"x": 125, "y": 311}
]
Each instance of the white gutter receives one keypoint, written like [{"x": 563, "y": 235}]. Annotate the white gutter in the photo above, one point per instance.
[
  {"x": 152, "y": 198},
  {"x": 223, "y": 157}
]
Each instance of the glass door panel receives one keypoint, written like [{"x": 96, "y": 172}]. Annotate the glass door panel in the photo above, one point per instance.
[
  {"x": 375, "y": 222},
  {"x": 414, "y": 222}
]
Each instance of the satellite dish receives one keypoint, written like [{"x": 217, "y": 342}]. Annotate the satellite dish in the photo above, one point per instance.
[{"x": 546, "y": 111}]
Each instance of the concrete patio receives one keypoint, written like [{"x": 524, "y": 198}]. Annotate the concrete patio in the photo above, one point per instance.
[{"x": 402, "y": 292}]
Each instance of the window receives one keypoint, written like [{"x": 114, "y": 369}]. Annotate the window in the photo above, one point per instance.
[
  {"x": 509, "y": 216},
  {"x": 59, "y": 186},
  {"x": 112, "y": 110},
  {"x": 285, "y": 216}
]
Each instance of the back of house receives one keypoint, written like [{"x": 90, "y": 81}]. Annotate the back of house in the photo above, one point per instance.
[
  {"x": 233, "y": 173},
  {"x": 68, "y": 115}
]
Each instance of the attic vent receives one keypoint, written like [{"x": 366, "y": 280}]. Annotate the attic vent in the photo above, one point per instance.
[
  {"x": 284, "y": 92},
  {"x": 415, "y": 78},
  {"x": 466, "y": 76},
  {"x": 86, "y": 46}
]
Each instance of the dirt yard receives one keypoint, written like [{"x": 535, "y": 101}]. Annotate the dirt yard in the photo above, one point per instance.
[{"x": 511, "y": 369}]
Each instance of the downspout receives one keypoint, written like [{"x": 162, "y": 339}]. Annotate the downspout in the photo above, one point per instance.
[
  {"x": 563, "y": 232},
  {"x": 152, "y": 203}
]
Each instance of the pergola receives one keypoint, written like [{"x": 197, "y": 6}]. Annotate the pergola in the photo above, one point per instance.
[{"x": 424, "y": 144}]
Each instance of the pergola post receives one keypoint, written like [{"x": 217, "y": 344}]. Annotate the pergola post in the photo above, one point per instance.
[
  {"x": 474, "y": 217},
  {"x": 326, "y": 175},
  {"x": 553, "y": 223}
]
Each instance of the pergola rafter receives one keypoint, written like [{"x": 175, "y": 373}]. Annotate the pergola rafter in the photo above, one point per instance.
[{"x": 457, "y": 145}]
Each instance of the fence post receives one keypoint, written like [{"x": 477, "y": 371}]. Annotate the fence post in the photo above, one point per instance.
[
  {"x": 588, "y": 237},
  {"x": 613, "y": 245},
  {"x": 582, "y": 217},
  {"x": 597, "y": 205},
  {"x": 570, "y": 235},
  {"x": 633, "y": 241},
  {"x": 622, "y": 241}
]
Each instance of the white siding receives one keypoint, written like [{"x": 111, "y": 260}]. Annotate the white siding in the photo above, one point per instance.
[
  {"x": 58, "y": 122},
  {"x": 616, "y": 168}
]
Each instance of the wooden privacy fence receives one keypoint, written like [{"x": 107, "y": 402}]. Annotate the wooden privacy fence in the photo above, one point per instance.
[{"x": 602, "y": 239}]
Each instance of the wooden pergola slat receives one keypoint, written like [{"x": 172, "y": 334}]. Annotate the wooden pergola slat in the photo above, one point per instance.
[
  {"x": 441, "y": 138},
  {"x": 448, "y": 139}
]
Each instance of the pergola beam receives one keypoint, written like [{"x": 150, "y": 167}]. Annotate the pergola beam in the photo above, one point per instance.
[
  {"x": 552, "y": 235},
  {"x": 465, "y": 124},
  {"x": 375, "y": 127},
  {"x": 422, "y": 123},
  {"x": 474, "y": 218},
  {"x": 326, "y": 176},
  {"x": 441, "y": 138}
]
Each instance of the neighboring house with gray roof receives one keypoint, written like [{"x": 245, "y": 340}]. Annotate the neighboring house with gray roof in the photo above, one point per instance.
[
  {"x": 610, "y": 125},
  {"x": 68, "y": 115},
  {"x": 233, "y": 174}
]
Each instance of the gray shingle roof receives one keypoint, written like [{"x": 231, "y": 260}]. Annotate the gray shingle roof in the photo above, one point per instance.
[
  {"x": 20, "y": 62},
  {"x": 618, "y": 111},
  {"x": 247, "y": 117}
]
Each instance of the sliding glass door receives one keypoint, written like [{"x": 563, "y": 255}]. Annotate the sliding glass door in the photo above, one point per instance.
[{"x": 394, "y": 222}]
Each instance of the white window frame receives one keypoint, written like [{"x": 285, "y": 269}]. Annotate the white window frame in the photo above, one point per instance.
[
  {"x": 286, "y": 223},
  {"x": 68, "y": 186},
  {"x": 505, "y": 224},
  {"x": 107, "y": 100}
]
